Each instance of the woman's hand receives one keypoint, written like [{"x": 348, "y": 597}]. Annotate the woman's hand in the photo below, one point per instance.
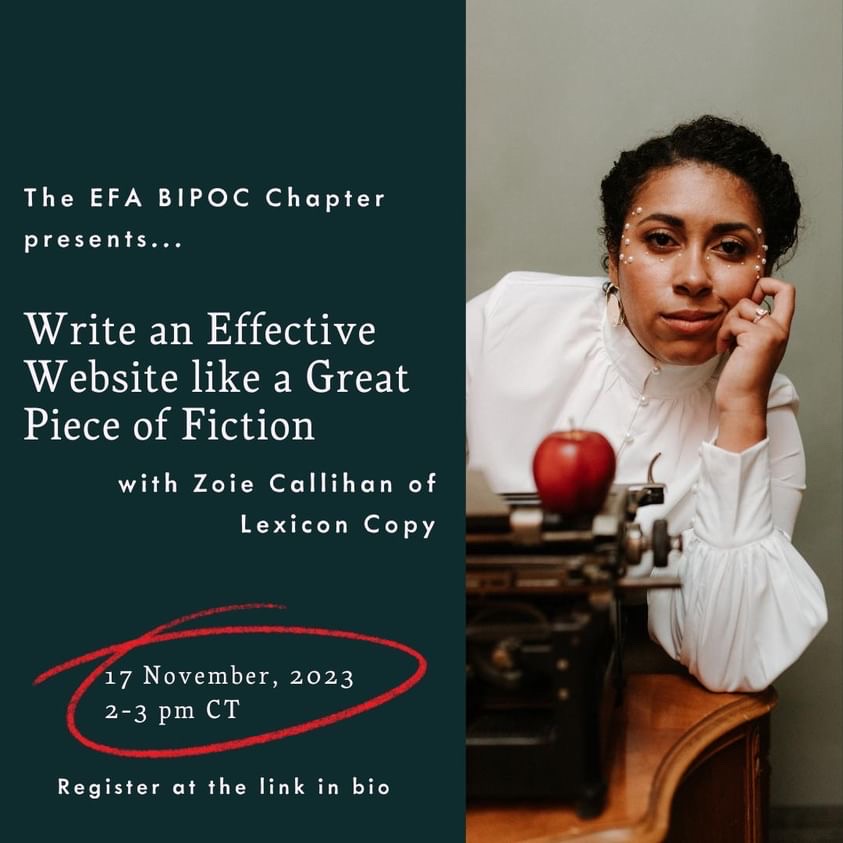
[{"x": 758, "y": 346}]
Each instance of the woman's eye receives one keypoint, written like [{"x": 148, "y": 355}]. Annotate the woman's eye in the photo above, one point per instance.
[
  {"x": 660, "y": 239},
  {"x": 731, "y": 248}
]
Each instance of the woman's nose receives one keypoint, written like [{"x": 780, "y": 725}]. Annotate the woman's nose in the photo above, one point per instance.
[{"x": 692, "y": 275}]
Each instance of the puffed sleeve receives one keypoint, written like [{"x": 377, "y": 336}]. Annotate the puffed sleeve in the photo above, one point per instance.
[
  {"x": 475, "y": 321},
  {"x": 474, "y": 325},
  {"x": 749, "y": 603}
]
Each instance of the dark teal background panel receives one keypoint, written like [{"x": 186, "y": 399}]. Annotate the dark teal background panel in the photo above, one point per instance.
[{"x": 322, "y": 97}]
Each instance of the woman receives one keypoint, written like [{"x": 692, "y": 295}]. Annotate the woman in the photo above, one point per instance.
[{"x": 676, "y": 354}]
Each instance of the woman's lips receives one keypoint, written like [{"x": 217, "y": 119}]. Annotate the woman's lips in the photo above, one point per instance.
[{"x": 690, "y": 321}]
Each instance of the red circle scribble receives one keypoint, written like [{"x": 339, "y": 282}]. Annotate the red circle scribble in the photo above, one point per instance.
[{"x": 159, "y": 634}]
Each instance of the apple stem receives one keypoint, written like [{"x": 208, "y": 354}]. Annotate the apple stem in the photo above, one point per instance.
[{"x": 571, "y": 422}]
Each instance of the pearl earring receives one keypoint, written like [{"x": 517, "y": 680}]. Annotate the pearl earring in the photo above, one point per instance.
[{"x": 614, "y": 305}]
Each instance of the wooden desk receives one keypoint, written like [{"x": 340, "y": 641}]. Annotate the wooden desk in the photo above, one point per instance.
[{"x": 687, "y": 765}]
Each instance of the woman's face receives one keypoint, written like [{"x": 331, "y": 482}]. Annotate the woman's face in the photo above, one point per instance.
[{"x": 686, "y": 258}]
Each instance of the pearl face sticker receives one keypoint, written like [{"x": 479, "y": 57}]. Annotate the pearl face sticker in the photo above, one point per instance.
[
  {"x": 627, "y": 258},
  {"x": 761, "y": 261}
]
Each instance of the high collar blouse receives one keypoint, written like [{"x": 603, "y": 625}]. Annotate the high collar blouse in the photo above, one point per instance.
[{"x": 542, "y": 355}]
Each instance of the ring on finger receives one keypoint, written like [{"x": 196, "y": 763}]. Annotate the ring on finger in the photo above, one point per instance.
[{"x": 760, "y": 313}]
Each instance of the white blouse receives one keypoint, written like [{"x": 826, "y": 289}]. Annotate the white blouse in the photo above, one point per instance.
[{"x": 541, "y": 355}]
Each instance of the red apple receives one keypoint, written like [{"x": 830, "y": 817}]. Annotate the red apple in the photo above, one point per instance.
[{"x": 573, "y": 470}]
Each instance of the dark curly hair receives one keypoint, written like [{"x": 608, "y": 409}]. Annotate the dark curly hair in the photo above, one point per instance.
[{"x": 720, "y": 143}]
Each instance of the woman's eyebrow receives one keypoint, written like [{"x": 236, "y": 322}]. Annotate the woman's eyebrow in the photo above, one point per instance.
[
  {"x": 717, "y": 228},
  {"x": 676, "y": 222},
  {"x": 723, "y": 227}
]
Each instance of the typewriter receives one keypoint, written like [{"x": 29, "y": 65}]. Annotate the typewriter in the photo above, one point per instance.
[{"x": 544, "y": 639}]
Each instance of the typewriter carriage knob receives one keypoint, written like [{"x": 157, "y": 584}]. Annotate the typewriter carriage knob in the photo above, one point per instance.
[{"x": 660, "y": 542}]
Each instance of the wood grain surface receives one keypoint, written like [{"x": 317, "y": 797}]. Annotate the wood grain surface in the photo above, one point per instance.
[{"x": 666, "y": 729}]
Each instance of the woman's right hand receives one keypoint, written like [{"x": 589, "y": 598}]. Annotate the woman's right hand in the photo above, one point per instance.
[{"x": 758, "y": 343}]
